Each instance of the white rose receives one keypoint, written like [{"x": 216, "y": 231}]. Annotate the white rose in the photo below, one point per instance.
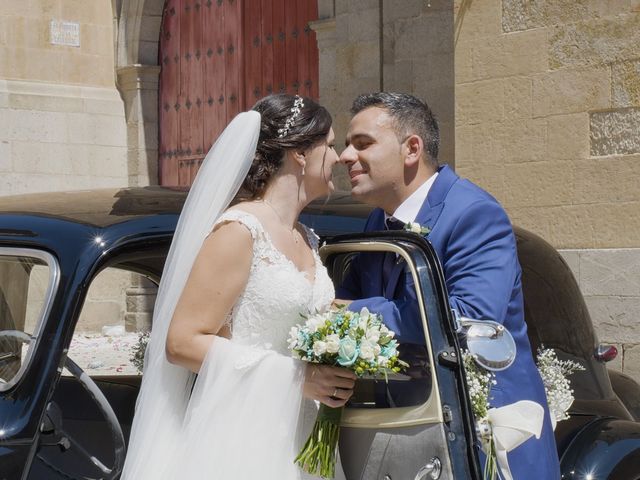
[
  {"x": 319, "y": 348},
  {"x": 333, "y": 343},
  {"x": 376, "y": 349},
  {"x": 373, "y": 335},
  {"x": 415, "y": 227},
  {"x": 314, "y": 323},
  {"x": 366, "y": 351},
  {"x": 364, "y": 314},
  {"x": 383, "y": 361},
  {"x": 293, "y": 338}
]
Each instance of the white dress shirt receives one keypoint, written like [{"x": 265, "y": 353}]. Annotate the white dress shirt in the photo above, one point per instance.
[{"x": 408, "y": 210}]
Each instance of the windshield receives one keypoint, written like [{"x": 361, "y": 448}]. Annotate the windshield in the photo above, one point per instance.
[{"x": 27, "y": 283}]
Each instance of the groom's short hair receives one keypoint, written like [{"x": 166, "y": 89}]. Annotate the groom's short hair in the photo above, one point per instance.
[{"x": 409, "y": 115}]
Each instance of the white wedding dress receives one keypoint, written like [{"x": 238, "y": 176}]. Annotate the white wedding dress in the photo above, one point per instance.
[{"x": 246, "y": 417}]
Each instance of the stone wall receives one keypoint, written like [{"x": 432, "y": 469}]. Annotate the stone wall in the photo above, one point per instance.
[
  {"x": 548, "y": 120},
  {"x": 62, "y": 121},
  {"x": 545, "y": 117}
]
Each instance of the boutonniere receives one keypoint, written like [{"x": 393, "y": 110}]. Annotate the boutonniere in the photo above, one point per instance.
[{"x": 417, "y": 228}]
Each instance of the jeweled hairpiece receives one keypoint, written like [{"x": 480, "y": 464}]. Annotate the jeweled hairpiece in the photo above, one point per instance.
[{"x": 298, "y": 104}]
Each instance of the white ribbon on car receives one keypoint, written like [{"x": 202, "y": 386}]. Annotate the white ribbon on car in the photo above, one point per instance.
[{"x": 511, "y": 426}]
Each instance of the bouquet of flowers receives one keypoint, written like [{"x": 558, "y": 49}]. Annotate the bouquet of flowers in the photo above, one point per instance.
[
  {"x": 558, "y": 391},
  {"x": 554, "y": 375},
  {"x": 358, "y": 341}
]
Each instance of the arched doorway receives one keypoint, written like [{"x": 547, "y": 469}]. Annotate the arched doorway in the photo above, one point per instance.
[{"x": 217, "y": 58}]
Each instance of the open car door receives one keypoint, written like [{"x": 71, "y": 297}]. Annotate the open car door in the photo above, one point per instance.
[{"x": 418, "y": 425}]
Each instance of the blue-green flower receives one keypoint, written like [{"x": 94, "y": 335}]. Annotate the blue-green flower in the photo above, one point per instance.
[{"x": 347, "y": 352}]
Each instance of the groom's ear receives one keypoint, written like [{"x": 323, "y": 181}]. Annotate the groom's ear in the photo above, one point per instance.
[{"x": 413, "y": 147}]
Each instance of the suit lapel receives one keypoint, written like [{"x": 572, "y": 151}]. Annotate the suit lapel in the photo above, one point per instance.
[
  {"x": 434, "y": 203},
  {"x": 427, "y": 216}
]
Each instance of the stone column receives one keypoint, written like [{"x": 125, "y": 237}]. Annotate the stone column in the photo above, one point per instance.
[
  {"x": 138, "y": 85},
  {"x": 141, "y": 297}
]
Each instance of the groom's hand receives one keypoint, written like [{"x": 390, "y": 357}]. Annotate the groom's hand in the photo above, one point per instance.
[{"x": 332, "y": 386}]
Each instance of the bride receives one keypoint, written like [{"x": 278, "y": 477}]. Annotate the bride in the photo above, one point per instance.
[{"x": 234, "y": 283}]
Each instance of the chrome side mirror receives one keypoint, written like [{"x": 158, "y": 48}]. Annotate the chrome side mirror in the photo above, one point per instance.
[{"x": 491, "y": 345}]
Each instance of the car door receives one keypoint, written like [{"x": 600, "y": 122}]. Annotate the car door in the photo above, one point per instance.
[{"x": 417, "y": 425}]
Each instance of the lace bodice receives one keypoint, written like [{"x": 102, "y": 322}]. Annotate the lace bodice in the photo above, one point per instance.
[{"x": 276, "y": 292}]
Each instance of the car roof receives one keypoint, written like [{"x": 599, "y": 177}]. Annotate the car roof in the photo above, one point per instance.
[{"x": 101, "y": 208}]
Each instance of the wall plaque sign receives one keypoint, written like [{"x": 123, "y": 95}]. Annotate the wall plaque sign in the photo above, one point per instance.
[{"x": 64, "y": 33}]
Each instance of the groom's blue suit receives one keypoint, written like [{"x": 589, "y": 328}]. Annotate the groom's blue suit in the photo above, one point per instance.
[{"x": 474, "y": 240}]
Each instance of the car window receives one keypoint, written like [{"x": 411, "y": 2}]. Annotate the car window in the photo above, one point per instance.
[
  {"x": 408, "y": 389},
  {"x": 28, "y": 279},
  {"x": 113, "y": 326}
]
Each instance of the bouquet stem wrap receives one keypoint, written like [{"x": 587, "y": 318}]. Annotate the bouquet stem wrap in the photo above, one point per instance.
[{"x": 318, "y": 455}]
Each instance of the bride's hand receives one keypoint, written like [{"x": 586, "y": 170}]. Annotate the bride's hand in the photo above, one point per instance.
[
  {"x": 332, "y": 386},
  {"x": 338, "y": 303}
]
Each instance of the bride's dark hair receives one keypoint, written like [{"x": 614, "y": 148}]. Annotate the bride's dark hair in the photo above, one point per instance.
[{"x": 311, "y": 126}]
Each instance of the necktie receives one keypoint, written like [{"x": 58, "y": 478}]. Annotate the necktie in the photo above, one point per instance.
[
  {"x": 394, "y": 224},
  {"x": 390, "y": 258}
]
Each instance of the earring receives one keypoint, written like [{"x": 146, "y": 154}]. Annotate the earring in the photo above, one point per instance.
[{"x": 303, "y": 169}]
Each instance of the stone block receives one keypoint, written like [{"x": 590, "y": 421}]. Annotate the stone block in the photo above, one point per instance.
[
  {"x": 364, "y": 26},
  {"x": 525, "y": 14},
  {"x": 81, "y": 69},
  {"x": 109, "y": 130},
  {"x": 611, "y": 272},
  {"x": 400, "y": 9},
  {"x": 486, "y": 145},
  {"x": 463, "y": 62},
  {"x": 87, "y": 12},
  {"x": 148, "y": 52},
  {"x": 632, "y": 361},
  {"x": 28, "y": 32},
  {"x": 625, "y": 78},
  {"x": 519, "y": 53},
  {"x": 36, "y": 126},
  {"x": 571, "y": 91},
  {"x": 615, "y": 318},
  {"x": 103, "y": 107},
  {"x": 79, "y": 159},
  {"x": 97, "y": 39},
  {"x": 607, "y": 180},
  {"x": 79, "y": 128},
  {"x": 150, "y": 28},
  {"x": 137, "y": 322},
  {"x": 538, "y": 184},
  {"x": 464, "y": 143},
  {"x": 597, "y": 225},
  {"x": 522, "y": 14},
  {"x": 415, "y": 37},
  {"x": 326, "y": 9},
  {"x": 490, "y": 178},
  {"x": 524, "y": 140},
  {"x": 110, "y": 284},
  {"x": 572, "y": 258},
  {"x": 34, "y": 157},
  {"x": 42, "y": 65},
  {"x": 95, "y": 315},
  {"x": 568, "y": 136},
  {"x": 107, "y": 161},
  {"x": 48, "y": 103},
  {"x": 478, "y": 19},
  {"x": 5, "y": 157},
  {"x": 615, "y": 132},
  {"x": 480, "y": 102},
  {"x": 518, "y": 98},
  {"x": 597, "y": 41}
]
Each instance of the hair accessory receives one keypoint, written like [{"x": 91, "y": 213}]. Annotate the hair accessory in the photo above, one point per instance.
[{"x": 298, "y": 104}]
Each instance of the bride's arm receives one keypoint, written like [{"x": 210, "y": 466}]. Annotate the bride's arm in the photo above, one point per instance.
[{"x": 218, "y": 277}]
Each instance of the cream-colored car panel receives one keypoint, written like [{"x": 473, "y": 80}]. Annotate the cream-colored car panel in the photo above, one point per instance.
[{"x": 426, "y": 413}]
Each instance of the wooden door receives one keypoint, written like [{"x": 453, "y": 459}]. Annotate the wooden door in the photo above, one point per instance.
[{"x": 218, "y": 57}]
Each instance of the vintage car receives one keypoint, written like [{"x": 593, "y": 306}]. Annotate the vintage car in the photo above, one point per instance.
[{"x": 67, "y": 260}]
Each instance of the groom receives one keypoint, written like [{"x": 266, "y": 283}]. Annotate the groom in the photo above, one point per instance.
[{"x": 392, "y": 157}]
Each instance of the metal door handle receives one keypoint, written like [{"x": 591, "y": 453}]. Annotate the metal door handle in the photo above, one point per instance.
[{"x": 431, "y": 470}]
